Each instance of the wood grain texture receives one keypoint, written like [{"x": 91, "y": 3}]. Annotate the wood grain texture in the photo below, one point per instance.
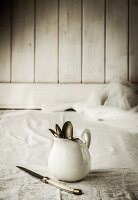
[
  {"x": 70, "y": 41},
  {"x": 65, "y": 41},
  {"x": 23, "y": 41},
  {"x": 93, "y": 41},
  {"x": 46, "y": 41},
  {"x": 116, "y": 39},
  {"x": 133, "y": 56},
  {"x": 5, "y": 40}
]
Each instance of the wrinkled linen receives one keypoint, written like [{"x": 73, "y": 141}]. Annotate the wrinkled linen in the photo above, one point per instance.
[
  {"x": 113, "y": 184},
  {"x": 26, "y": 141}
]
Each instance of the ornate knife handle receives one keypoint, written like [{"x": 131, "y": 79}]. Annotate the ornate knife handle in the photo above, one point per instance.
[{"x": 62, "y": 186}]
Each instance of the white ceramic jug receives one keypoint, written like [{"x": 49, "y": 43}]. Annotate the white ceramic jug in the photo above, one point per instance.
[{"x": 70, "y": 160}]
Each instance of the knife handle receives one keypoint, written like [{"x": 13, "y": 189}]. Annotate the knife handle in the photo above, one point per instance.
[{"x": 62, "y": 186}]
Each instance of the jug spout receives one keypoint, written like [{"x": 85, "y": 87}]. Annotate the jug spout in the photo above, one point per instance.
[{"x": 86, "y": 135}]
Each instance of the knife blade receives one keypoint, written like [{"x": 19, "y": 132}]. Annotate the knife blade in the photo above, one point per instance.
[{"x": 54, "y": 183}]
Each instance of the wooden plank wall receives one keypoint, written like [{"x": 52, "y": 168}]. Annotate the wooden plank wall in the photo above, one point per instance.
[
  {"x": 5, "y": 41},
  {"x": 93, "y": 41},
  {"x": 46, "y": 41},
  {"x": 68, "y": 41},
  {"x": 116, "y": 39},
  {"x": 22, "y": 64}
]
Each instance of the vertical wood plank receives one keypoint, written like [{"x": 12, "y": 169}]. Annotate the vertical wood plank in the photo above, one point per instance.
[
  {"x": 117, "y": 39},
  {"x": 5, "y": 40},
  {"x": 93, "y": 41},
  {"x": 133, "y": 56},
  {"x": 46, "y": 41},
  {"x": 23, "y": 41},
  {"x": 70, "y": 41}
]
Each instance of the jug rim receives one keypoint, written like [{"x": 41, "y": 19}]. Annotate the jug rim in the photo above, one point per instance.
[
  {"x": 63, "y": 139},
  {"x": 66, "y": 139}
]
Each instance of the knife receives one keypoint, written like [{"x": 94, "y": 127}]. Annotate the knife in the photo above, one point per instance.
[{"x": 54, "y": 183}]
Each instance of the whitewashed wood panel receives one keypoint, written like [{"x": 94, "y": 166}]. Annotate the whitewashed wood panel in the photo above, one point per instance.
[
  {"x": 133, "y": 56},
  {"x": 23, "y": 41},
  {"x": 46, "y": 52},
  {"x": 69, "y": 41},
  {"x": 93, "y": 41},
  {"x": 5, "y": 40},
  {"x": 116, "y": 39},
  {"x": 65, "y": 41}
]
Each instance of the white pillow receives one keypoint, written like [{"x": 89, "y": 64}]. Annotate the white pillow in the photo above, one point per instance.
[
  {"x": 120, "y": 94},
  {"x": 117, "y": 94}
]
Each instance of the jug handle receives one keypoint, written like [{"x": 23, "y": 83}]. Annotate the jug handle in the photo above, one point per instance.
[{"x": 86, "y": 135}]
